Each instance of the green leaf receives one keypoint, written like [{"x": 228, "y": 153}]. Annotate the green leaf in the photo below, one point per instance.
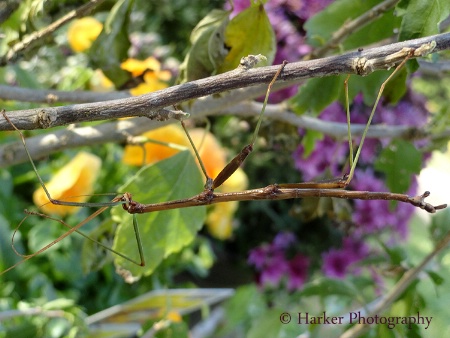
[
  {"x": 396, "y": 254},
  {"x": 435, "y": 277},
  {"x": 165, "y": 232},
  {"x": 422, "y": 17},
  {"x": 269, "y": 325},
  {"x": 399, "y": 161},
  {"x": 321, "y": 27},
  {"x": 327, "y": 286},
  {"x": 309, "y": 141},
  {"x": 396, "y": 88},
  {"x": 249, "y": 32},
  {"x": 317, "y": 94},
  {"x": 93, "y": 256},
  {"x": 207, "y": 51},
  {"x": 369, "y": 86},
  {"x": 110, "y": 49},
  {"x": 25, "y": 78},
  {"x": 246, "y": 304}
]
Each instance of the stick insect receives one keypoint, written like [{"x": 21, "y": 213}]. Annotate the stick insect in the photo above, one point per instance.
[{"x": 331, "y": 188}]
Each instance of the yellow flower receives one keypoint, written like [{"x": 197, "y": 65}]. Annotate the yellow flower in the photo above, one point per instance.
[
  {"x": 134, "y": 154},
  {"x": 153, "y": 77},
  {"x": 100, "y": 83},
  {"x": 71, "y": 183},
  {"x": 138, "y": 67},
  {"x": 83, "y": 32},
  {"x": 174, "y": 317},
  {"x": 220, "y": 218}
]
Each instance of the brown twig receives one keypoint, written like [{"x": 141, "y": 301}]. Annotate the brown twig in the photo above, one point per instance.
[
  {"x": 362, "y": 63},
  {"x": 30, "y": 40}
]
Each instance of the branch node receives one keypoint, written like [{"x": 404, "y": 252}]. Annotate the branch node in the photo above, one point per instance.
[
  {"x": 167, "y": 114},
  {"x": 425, "y": 49},
  {"x": 362, "y": 66},
  {"x": 250, "y": 61},
  {"x": 46, "y": 117}
]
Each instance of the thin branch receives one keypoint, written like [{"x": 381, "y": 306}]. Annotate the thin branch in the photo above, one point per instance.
[
  {"x": 54, "y": 96},
  {"x": 361, "y": 63},
  {"x": 11, "y": 314},
  {"x": 33, "y": 38},
  {"x": 352, "y": 26},
  {"x": 335, "y": 129},
  {"x": 398, "y": 289},
  {"x": 119, "y": 131}
]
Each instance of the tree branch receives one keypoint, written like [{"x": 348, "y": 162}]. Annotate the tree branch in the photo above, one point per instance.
[
  {"x": 53, "y": 96},
  {"x": 33, "y": 38},
  {"x": 119, "y": 131},
  {"x": 362, "y": 63},
  {"x": 335, "y": 129}
]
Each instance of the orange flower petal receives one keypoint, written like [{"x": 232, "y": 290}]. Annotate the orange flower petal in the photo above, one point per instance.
[
  {"x": 134, "y": 155},
  {"x": 83, "y": 32},
  {"x": 220, "y": 220},
  {"x": 164, "y": 75},
  {"x": 145, "y": 88},
  {"x": 174, "y": 317},
  {"x": 152, "y": 64},
  {"x": 76, "y": 178},
  {"x": 138, "y": 67},
  {"x": 100, "y": 83},
  {"x": 211, "y": 152},
  {"x": 134, "y": 66}
]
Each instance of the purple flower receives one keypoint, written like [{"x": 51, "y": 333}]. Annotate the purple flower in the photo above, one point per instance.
[
  {"x": 298, "y": 272},
  {"x": 275, "y": 267},
  {"x": 283, "y": 240},
  {"x": 377, "y": 215},
  {"x": 257, "y": 256},
  {"x": 337, "y": 262},
  {"x": 327, "y": 155}
]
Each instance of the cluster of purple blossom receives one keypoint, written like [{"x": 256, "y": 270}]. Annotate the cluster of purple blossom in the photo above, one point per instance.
[{"x": 275, "y": 268}]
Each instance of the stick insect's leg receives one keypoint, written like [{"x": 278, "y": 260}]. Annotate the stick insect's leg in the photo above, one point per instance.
[
  {"x": 103, "y": 206},
  {"x": 237, "y": 161},
  {"x": 380, "y": 92}
]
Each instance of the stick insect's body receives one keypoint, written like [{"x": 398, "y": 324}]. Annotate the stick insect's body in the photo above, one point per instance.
[{"x": 331, "y": 188}]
